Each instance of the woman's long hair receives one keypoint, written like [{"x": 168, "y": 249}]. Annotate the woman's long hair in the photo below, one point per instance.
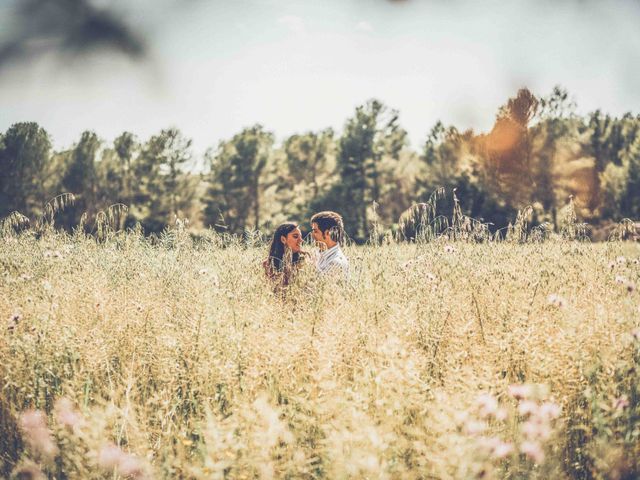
[{"x": 280, "y": 259}]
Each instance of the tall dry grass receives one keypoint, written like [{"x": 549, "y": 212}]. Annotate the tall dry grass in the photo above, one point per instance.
[{"x": 174, "y": 359}]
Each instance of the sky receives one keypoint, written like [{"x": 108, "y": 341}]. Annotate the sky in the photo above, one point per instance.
[{"x": 216, "y": 67}]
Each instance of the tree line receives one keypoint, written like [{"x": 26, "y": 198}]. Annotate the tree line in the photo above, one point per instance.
[{"x": 538, "y": 153}]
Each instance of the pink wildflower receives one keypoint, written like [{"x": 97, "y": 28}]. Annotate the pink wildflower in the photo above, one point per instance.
[
  {"x": 621, "y": 402},
  {"x": 527, "y": 407},
  {"x": 533, "y": 450},
  {"x": 29, "y": 471},
  {"x": 635, "y": 333},
  {"x": 449, "y": 249},
  {"x": 556, "y": 300},
  {"x": 36, "y": 433},
  {"x": 112, "y": 457},
  {"x": 520, "y": 392},
  {"x": 488, "y": 405},
  {"x": 474, "y": 427},
  {"x": 496, "y": 446},
  {"x": 66, "y": 415},
  {"x": 536, "y": 429},
  {"x": 502, "y": 449},
  {"x": 13, "y": 321},
  {"x": 550, "y": 410},
  {"x": 501, "y": 414}
]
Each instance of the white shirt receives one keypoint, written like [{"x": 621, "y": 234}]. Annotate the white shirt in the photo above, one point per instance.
[{"x": 333, "y": 259}]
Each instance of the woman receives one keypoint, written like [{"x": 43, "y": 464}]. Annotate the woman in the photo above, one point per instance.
[{"x": 285, "y": 254}]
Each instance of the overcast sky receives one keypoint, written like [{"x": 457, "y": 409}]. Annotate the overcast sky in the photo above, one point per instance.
[{"x": 216, "y": 67}]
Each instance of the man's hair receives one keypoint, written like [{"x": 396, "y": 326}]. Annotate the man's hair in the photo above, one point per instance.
[{"x": 331, "y": 221}]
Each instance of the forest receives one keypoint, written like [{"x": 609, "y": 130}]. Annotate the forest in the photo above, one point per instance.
[{"x": 538, "y": 155}]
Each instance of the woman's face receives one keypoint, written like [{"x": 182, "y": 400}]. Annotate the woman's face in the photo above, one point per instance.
[{"x": 293, "y": 240}]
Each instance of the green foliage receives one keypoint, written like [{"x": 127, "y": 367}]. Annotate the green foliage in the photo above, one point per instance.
[
  {"x": 81, "y": 179},
  {"x": 234, "y": 194},
  {"x": 25, "y": 150},
  {"x": 307, "y": 173},
  {"x": 368, "y": 149},
  {"x": 538, "y": 154},
  {"x": 163, "y": 189}
]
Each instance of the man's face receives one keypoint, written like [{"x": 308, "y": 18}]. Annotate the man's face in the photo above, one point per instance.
[{"x": 316, "y": 233}]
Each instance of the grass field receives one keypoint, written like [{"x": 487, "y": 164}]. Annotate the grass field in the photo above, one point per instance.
[{"x": 126, "y": 359}]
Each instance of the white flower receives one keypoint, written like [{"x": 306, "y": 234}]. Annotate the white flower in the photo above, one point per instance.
[{"x": 556, "y": 300}]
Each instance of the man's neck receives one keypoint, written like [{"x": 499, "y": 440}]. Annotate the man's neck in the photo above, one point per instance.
[{"x": 330, "y": 244}]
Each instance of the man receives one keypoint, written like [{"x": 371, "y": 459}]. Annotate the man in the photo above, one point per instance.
[{"x": 327, "y": 229}]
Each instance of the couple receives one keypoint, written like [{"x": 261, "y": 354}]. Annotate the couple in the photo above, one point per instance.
[{"x": 286, "y": 255}]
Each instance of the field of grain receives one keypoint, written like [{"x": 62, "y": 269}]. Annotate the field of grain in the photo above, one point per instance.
[{"x": 174, "y": 359}]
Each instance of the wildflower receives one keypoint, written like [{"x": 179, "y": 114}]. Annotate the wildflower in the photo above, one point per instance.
[
  {"x": 556, "y": 300},
  {"x": 46, "y": 285},
  {"x": 621, "y": 402},
  {"x": 527, "y": 407},
  {"x": 29, "y": 471},
  {"x": 13, "y": 321},
  {"x": 203, "y": 271},
  {"x": 65, "y": 413},
  {"x": 430, "y": 277},
  {"x": 536, "y": 428},
  {"x": 474, "y": 427},
  {"x": 621, "y": 260},
  {"x": 635, "y": 333},
  {"x": 550, "y": 410},
  {"x": 488, "y": 405},
  {"x": 112, "y": 457},
  {"x": 461, "y": 417},
  {"x": 520, "y": 392},
  {"x": 620, "y": 279},
  {"x": 501, "y": 414},
  {"x": 37, "y": 434},
  {"x": 612, "y": 265},
  {"x": 496, "y": 446},
  {"x": 502, "y": 449},
  {"x": 533, "y": 450},
  {"x": 449, "y": 249},
  {"x": 630, "y": 286}
]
